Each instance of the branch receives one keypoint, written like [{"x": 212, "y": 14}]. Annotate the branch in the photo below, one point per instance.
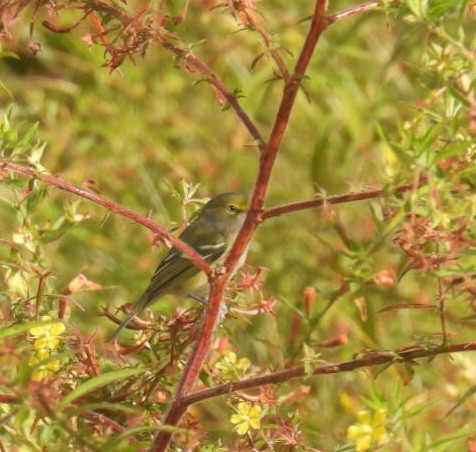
[
  {"x": 291, "y": 88},
  {"x": 268, "y": 157},
  {"x": 117, "y": 208},
  {"x": 407, "y": 354},
  {"x": 364, "y": 7},
  {"x": 186, "y": 54},
  {"x": 89, "y": 414},
  {"x": 213, "y": 79},
  {"x": 200, "y": 350},
  {"x": 339, "y": 199},
  {"x": 268, "y": 44}
]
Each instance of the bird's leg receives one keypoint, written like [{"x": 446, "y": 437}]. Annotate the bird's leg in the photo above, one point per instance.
[{"x": 223, "y": 307}]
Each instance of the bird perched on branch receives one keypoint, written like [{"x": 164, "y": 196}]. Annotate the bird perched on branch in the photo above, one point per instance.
[{"x": 211, "y": 234}]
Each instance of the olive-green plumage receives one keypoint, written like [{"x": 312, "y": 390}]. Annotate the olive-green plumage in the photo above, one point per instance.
[{"x": 211, "y": 234}]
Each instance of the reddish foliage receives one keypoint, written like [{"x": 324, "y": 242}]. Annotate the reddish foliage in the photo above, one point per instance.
[{"x": 429, "y": 246}]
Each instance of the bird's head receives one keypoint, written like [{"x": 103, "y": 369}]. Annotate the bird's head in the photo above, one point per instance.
[{"x": 227, "y": 209}]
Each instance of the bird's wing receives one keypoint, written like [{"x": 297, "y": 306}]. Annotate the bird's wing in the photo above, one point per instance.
[{"x": 176, "y": 267}]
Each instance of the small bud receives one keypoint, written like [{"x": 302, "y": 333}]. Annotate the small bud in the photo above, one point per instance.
[{"x": 309, "y": 296}]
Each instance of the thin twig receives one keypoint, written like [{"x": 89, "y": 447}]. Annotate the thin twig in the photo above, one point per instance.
[
  {"x": 408, "y": 354},
  {"x": 111, "y": 205},
  {"x": 442, "y": 309},
  {"x": 213, "y": 79},
  {"x": 268, "y": 157},
  {"x": 338, "y": 199},
  {"x": 268, "y": 44},
  {"x": 364, "y": 7}
]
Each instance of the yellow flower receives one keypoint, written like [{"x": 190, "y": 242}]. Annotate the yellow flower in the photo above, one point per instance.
[
  {"x": 231, "y": 368},
  {"x": 349, "y": 403},
  {"x": 43, "y": 368},
  {"x": 247, "y": 416},
  {"x": 47, "y": 337},
  {"x": 369, "y": 431},
  {"x": 47, "y": 340}
]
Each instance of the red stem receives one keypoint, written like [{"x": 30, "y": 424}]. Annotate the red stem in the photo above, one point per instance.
[
  {"x": 213, "y": 79},
  {"x": 268, "y": 157},
  {"x": 407, "y": 354},
  {"x": 154, "y": 227},
  {"x": 338, "y": 199},
  {"x": 354, "y": 10}
]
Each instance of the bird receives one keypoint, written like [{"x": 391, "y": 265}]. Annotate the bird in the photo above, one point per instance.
[{"x": 211, "y": 234}]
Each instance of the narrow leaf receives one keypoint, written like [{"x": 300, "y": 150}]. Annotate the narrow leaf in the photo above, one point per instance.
[
  {"x": 98, "y": 382},
  {"x": 19, "y": 329},
  {"x": 469, "y": 393}
]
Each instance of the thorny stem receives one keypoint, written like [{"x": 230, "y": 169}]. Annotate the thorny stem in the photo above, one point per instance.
[
  {"x": 364, "y": 7},
  {"x": 372, "y": 359},
  {"x": 269, "y": 152},
  {"x": 407, "y": 354},
  {"x": 339, "y": 199},
  {"x": 268, "y": 44},
  {"x": 268, "y": 157},
  {"x": 213, "y": 79},
  {"x": 116, "y": 208}
]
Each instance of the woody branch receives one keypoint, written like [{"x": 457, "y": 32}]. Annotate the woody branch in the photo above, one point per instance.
[
  {"x": 268, "y": 157},
  {"x": 160, "y": 231}
]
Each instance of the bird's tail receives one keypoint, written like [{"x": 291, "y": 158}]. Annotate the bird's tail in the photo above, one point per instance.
[{"x": 141, "y": 303}]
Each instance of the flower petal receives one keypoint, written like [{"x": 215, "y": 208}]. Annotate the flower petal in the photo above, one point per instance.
[
  {"x": 43, "y": 354},
  {"x": 243, "y": 364},
  {"x": 32, "y": 360},
  {"x": 231, "y": 357},
  {"x": 53, "y": 365},
  {"x": 255, "y": 423},
  {"x": 363, "y": 443},
  {"x": 242, "y": 428},
  {"x": 53, "y": 343},
  {"x": 37, "y": 331},
  {"x": 364, "y": 417},
  {"x": 57, "y": 328},
  {"x": 244, "y": 408},
  {"x": 40, "y": 343},
  {"x": 380, "y": 434},
  {"x": 355, "y": 431},
  {"x": 237, "y": 418},
  {"x": 379, "y": 417},
  {"x": 255, "y": 411}
]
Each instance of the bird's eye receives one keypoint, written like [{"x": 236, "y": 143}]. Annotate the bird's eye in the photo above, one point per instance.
[{"x": 230, "y": 208}]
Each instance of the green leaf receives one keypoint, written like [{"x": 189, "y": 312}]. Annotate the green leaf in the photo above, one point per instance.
[
  {"x": 256, "y": 61},
  {"x": 418, "y": 7},
  {"x": 463, "y": 433},
  {"x": 100, "y": 406},
  {"x": 451, "y": 151},
  {"x": 438, "y": 8},
  {"x": 28, "y": 138},
  {"x": 35, "y": 196},
  {"x": 158, "y": 427},
  {"x": 19, "y": 329},
  {"x": 98, "y": 382},
  {"x": 468, "y": 394},
  {"x": 8, "y": 54}
]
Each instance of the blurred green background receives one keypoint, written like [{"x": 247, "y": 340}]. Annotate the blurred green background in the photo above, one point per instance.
[{"x": 135, "y": 132}]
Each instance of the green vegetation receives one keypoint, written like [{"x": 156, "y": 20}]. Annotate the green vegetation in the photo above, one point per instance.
[{"x": 388, "y": 100}]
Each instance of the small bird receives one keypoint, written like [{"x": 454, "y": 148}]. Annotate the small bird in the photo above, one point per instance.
[{"x": 211, "y": 234}]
